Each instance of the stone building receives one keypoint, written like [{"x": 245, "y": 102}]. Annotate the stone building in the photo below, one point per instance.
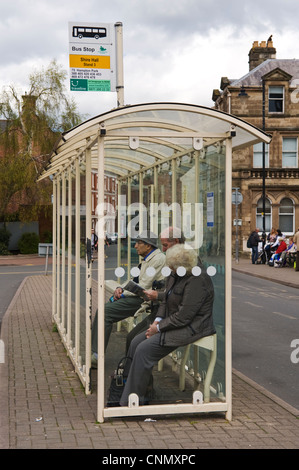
[{"x": 267, "y": 176}]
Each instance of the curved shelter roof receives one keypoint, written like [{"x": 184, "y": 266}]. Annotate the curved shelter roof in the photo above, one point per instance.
[{"x": 141, "y": 136}]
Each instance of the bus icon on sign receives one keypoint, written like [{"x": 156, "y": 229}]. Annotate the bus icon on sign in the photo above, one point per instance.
[{"x": 89, "y": 32}]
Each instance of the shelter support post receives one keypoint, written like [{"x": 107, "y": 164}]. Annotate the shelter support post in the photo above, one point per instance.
[
  {"x": 88, "y": 297},
  {"x": 63, "y": 244},
  {"x": 101, "y": 285},
  {"x": 54, "y": 254},
  {"x": 58, "y": 258},
  {"x": 77, "y": 263},
  {"x": 69, "y": 255},
  {"x": 228, "y": 280}
]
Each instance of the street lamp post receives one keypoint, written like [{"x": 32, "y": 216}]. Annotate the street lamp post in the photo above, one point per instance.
[{"x": 264, "y": 170}]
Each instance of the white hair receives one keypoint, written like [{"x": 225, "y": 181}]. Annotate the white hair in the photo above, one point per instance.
[{"x": 178, "y": 255}]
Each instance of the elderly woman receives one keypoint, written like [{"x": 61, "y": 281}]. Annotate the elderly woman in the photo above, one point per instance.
[{"x": 183, "y": 317}]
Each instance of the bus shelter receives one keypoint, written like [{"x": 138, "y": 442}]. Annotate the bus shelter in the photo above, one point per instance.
[{"x": 173, "y": 164}]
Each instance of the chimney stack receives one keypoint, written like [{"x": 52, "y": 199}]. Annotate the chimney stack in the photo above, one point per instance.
[
  {"x": 29, "y": 102},
  {"x": 261, "y": 52}
]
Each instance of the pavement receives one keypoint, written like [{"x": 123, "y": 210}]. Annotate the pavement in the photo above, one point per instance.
[{"x": 43, "y": 404}]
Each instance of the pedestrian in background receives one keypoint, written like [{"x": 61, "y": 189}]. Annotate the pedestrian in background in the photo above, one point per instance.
[{"x": 254, "y": 241}]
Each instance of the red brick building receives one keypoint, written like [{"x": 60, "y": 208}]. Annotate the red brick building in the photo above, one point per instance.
[{"x": 110, "y": 195}]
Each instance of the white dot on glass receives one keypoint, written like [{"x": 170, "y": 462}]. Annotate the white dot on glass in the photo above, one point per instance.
[
  {"x": 166, "y": 271},
  {"x": 150, "y": 272},
  {"x": 181, "y": 271},
  {"x": 135, "y": 272},
  {"x": 211, "y": 271},
  {"x": 119, "y": 272},
  {"x": 196, "y": 271}
]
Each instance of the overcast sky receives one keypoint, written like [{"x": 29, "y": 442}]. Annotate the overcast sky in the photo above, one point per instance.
[{"x": 174, "y": 50}]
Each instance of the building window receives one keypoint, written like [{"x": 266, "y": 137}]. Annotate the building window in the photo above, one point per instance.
[
  {"x": 289, "y": 152},
  {"x": 258, "y": 155},
  {"x": 286, "y": 216},
  {"x": 259, "y": 215},
  {"x": 276, "y": 99}
]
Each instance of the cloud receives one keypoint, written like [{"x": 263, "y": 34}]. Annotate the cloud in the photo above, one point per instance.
[{"x": 174, "y": 50}]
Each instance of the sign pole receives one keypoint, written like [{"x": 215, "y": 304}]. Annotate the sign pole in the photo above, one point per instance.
[
  {"x": 119, "y": 64},
  {"x": 237, "y": 235},
  {"x": 237, "y": 199}
]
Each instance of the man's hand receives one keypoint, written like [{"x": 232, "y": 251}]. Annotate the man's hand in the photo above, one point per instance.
[
  {"x": 151, "y": 294},
  {"x": 117, "y": 293}
]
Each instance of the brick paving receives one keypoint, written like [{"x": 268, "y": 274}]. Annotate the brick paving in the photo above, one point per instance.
[{"x": 43, "y": 404}]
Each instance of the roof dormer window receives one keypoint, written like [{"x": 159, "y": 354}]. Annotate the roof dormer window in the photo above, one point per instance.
[{"x": 276, "y": 99}]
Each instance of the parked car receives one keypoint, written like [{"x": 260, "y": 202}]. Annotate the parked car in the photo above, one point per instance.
[{"x": 112, "y": 238}]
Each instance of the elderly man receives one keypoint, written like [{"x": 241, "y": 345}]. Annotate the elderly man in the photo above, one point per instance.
[
  {"x": 124, "y": 304},
  {"x": 169, "y": 237}
]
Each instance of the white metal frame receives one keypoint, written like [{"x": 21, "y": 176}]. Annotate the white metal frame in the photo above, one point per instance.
[{"x": 98, "y": 144}]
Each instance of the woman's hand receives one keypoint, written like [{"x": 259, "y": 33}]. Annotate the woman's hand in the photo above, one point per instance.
[{"x": 152, "y": 330}]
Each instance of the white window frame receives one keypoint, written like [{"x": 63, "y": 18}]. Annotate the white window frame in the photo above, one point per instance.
[
  {"x": 271, "y": 100},
  {"x": 280, "y": 214},
  {"x": 258, "y": 155},
  {"x": 286, "y": 151},
  {"x": 268, "y": 216}
]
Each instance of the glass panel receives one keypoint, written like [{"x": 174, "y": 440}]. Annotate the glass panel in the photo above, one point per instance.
[
  {"x": 286, "y": 215},
  {"x": 123, "y": 223},
  {"x": 260, "y": 206},
  {"x": 64, "y": 260},
  {"x": 289, "y": 152},
  {"x": 212, "y": 251},
  {"x": 135, "y": 216},
  {"x": 289, "y": 144},
  {"x": 276, "y": 99},
  {"x": 59, "y": 276},
  {"x": 275, "y": 91},
  {"x": 82, "y": 265},
  {"x": 190, "y": 194},
  {"x": 259, "y": 218},
  {"x": 62, "y": 268},
  {"x": 258, "y": 155},
  {"x": 165, "y": 214},
  {"x": 286, "y": 223},
  {"x": 148, "y": 201},
  {"x": 73, "y": 286},
  {"x": 186, "y": 197},
  {"x": 289, "y": 160},
  {"x": 70, "y": 263},
  {"x": 286, "y": 206},
  {"x": 259, "y": 222},
  {"x": 180, "y": 117}
]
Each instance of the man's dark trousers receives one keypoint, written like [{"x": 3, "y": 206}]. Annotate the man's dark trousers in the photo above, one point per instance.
[{"x": 114, "y": 312}]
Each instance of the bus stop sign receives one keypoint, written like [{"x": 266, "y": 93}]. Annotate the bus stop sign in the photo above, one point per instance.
[{"x": 92, "y": 57}]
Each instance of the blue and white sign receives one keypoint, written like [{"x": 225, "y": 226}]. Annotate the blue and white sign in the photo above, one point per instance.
[{"x": 210, "y": 209}]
